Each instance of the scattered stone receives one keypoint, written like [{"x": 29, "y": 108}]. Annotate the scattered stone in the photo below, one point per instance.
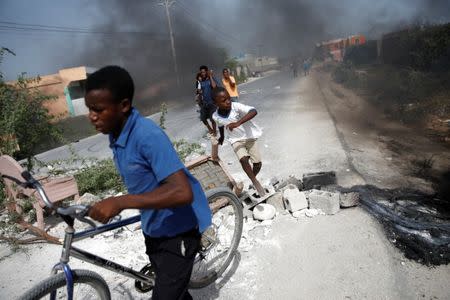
[
  {"x": 288, "y": 187},
  {"x": 277, "y": 201},
  {"x": 328, "y": 202},
  {"x": 247, "y": 213},
  {"x": 310, "y": 213},
  {"x": 274, "y": 181},
  {"x": 87, "y": 199},
  {"x": 291, "y": 180},
  {"x": 349, "y": 199},
  {"x": 299, "y": 213},
  {"x": 264, "y": 211},
  {"x": 294, "y": 200},
  {"x": 318, "y": 179}
]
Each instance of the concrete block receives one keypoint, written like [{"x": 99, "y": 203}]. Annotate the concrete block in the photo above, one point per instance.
[
  {"x": 310, "y": 180},
  {"x": 327, "y": 202},
  {"x": 294, "y": 200},
  {"x": 277, "y": 201},
  {"x": 264, "y": 211},
  {"x": 349, "y": 199},
  {"x": 291, "y": 180}
]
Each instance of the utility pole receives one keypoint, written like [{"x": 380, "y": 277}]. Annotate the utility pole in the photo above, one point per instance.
[{"x": 167, "y": 4}]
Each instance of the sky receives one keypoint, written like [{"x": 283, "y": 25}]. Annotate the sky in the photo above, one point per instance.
[{"x": 281, "y": 28}]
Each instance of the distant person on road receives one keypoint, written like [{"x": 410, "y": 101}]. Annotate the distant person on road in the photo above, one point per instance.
[
  {"x": 306, "y": 66},
  {"x": 229, "y": 83},
  {"x": 294, "y": 67},
  {"x": 173, "y": 207},
  {"x": 207, "y": 106},
  {"x": 242, "y": 132}
]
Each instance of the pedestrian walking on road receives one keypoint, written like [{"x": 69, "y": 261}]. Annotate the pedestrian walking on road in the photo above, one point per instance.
[
  {"x": 236, "y": 119},
  {"x": 207, "y": 106},
  {"x": 229, "y": 83},
  {"x": 306, "y": 66},
  {"x": 173, "y": 207}
]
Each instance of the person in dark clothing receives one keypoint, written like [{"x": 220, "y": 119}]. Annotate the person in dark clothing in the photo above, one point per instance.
[{"x": 207, "y": 106}]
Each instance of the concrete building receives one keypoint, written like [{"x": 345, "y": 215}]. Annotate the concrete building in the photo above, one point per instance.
[{"x": 68, "y": 87}]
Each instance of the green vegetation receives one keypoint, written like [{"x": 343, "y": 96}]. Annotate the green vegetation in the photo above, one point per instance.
[
  {"x": 185, "y": 148},
  {"x": 24, "y": 121},
  {"x": 99, "y": 178},
  {"x": 404, "y": 93},
  {"x": 233, "y": 64},
  {"x": 162, "y": 117}
]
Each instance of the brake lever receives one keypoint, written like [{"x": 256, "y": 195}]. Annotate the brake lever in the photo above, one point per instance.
[
  {"x": 115, "y": 219},
  {"x": 81, "y": 217}
]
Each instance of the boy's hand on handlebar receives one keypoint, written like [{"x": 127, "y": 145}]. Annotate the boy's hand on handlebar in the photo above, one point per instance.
[{"x": 105, "y": 209}]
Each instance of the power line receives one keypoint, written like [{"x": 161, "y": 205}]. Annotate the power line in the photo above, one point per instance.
[{"x": 60, "y": 29}]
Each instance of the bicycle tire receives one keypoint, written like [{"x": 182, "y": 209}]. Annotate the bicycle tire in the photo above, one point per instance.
[
  {"x": 55, "y": 282},
  {"x": 237, "y": 233}
]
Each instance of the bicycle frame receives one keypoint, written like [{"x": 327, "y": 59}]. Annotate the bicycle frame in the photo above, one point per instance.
[{"x": 69, "y": 250}]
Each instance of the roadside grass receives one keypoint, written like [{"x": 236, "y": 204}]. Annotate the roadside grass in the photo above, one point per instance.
[{"x": 404, "y": 94}]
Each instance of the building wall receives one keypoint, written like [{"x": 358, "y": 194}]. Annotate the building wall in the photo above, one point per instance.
[{"x": 53, "y": 85}]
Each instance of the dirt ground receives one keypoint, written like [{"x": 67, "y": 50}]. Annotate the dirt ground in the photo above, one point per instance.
[{"x": 310, "y": 124}]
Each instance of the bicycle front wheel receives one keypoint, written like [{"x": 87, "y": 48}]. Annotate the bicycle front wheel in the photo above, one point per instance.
[
  {"x": 86, "y": 285},
  {"x": 220, "y": 240}
]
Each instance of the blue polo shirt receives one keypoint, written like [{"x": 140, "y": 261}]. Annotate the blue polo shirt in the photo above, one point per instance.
[{"x": 144, "y": 157}]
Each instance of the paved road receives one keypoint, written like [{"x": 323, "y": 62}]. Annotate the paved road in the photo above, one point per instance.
[{"x": 345, "y": 256}]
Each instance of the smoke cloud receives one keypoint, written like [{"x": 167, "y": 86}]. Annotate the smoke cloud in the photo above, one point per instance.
[{"x": 205, "y": 29}]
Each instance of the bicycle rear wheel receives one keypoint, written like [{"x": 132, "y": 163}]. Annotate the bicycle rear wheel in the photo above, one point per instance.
[
  {"x": 220, "y": 240},
  {"x": 87, "y": 285}
]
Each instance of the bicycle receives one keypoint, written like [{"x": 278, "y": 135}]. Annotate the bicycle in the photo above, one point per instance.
[{"x": 217, "y": 250}]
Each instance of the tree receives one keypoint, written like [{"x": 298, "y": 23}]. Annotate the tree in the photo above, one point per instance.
[{"x": 24, "y": 120}]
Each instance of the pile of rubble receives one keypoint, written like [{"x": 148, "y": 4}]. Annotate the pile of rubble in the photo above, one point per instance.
[{"x": 313, "y": 195}]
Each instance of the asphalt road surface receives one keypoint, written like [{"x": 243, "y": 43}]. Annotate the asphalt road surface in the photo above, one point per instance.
[{"x": 344, "y": 256}]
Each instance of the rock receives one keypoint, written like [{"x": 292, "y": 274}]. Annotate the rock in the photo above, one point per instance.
[
  {"x": 274, "y": 181},
  {"x": 310, "y": 213},
  {"x": 277, "y": 201},
  {"x": 264, "y": 211},
  {"x": 318, "y": 179},
  {"x": 349, "y": 199},
  {"x": 87, "y": 199},
  {"x": 294, "y": 200},
  {"x": 327, "y": 202},
  {"x": 288, "y": 187},
  {"x": 299, "y": 213},
  {"x": 289, "y": 181}
]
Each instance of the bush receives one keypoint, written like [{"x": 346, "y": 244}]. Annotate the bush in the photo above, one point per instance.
[
  {"x": 24, "y": 121},
  {"x": 184, "y": 149},
  {"x": 99, "y": 178}
]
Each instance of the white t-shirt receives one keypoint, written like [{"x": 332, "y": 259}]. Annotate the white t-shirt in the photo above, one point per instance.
[{"x": 248, "y": 130}]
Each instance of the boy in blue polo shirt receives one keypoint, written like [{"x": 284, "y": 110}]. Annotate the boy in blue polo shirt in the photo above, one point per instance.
[{"x": 174, "y": 209}]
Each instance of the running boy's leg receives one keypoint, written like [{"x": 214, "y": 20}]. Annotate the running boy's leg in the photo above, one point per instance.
[{"x": 245, "y": 150}]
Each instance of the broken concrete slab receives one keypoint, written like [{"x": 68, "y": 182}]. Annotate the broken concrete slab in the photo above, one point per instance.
[
  {"x": 277, "y": 201},
  {"x": 349, "y": 199},
  {"x": 291, "y": 180},
  {"x": 310, "y": 180},
  {"x": 264, "y": 211},
  {"x": 294, "y": 200},
  {"x": 328, "y": 202},
  {"x": 87, "y": 199}
]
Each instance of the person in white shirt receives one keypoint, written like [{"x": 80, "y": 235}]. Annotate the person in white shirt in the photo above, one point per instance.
[{"x": 242, "y": 132}]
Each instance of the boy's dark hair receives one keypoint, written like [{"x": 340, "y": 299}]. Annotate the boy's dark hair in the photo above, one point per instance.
[
  {"x": 216, "y": 91},
  {"x": 113, "y": 78},
  {"x": 203, "y": 68}
]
